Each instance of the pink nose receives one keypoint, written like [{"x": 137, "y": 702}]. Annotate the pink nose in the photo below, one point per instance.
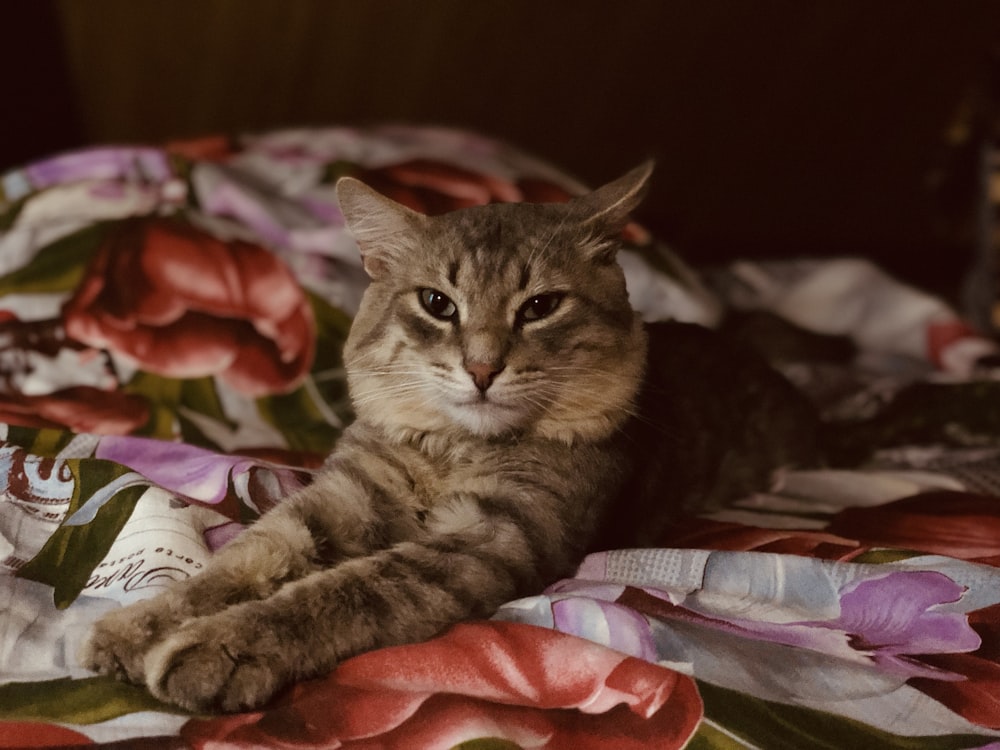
[{"x": 483, "y": 373}]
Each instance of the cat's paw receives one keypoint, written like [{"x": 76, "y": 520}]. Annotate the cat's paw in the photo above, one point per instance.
[
  {"x": 118, "y": 642},
  {"x": 212, "y": 664}
]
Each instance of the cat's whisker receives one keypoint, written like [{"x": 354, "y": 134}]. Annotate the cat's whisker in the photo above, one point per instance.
[
  {"x": 387, "y": 392},
  {"x": 397, "y": 389},
  {"x": 386, "y": 371},
  {"x": 358, "y": 358},
  {"x": 551, "y": 398}
]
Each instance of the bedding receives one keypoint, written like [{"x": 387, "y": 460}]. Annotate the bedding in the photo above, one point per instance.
[{"x": 170, "y": 325}]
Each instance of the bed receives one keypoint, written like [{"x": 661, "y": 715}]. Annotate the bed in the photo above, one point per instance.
[{"x": 171, "y": 319}]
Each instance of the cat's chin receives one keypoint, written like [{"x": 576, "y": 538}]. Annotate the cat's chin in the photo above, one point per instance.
[{"x": 486, "y": 418}]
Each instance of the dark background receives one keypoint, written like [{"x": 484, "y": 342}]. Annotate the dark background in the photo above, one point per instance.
[{"x": 780, "y": 128}]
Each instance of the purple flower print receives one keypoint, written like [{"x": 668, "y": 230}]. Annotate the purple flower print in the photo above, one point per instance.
[
  {"x": 894, "y": 618},
  {"x": 613, "y": 625},
  {"x": 130, "y": 164},
  {"x": 886, "y": 621},
  {"x": 200, "y": 474}
]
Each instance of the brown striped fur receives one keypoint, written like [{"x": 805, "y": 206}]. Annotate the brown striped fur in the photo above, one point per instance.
[{"x": 496, "y": 368}]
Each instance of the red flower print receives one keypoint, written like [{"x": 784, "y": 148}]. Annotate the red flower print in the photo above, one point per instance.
[
  {"x": 977, "y": 697},
  {"x": 537, "y": 190},
  {"x": 184, "y": 304},
  {"x": 207, "y": 148},
  {"x": 703, "y": 533},
  {"x": 433, "y": 187},
  {"x": 79, "y": 408},
  {"x": 957, "y": 524},
  {"x": 24, "y": 734},
  {"x": 532, "y": 686}
]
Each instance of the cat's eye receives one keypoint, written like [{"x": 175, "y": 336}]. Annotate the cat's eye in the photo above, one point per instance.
[
  {"x": 437, "y": 304},
  {"x": 539, "y": 306}
]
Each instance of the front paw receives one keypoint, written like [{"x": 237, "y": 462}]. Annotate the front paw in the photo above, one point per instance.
[
  {"x": 212, "y": 664},
  {"x": 118, "y": 642}
]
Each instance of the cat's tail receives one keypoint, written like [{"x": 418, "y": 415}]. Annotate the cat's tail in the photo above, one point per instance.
[{"x": 952, "y": 414}]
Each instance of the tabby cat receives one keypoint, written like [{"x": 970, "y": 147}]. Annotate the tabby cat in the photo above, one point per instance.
[{"x": 503, "y": 429}]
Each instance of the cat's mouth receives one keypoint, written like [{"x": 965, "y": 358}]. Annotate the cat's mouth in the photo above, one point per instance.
[{"x": 483, "y": 401}]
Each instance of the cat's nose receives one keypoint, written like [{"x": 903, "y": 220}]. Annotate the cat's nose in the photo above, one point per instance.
[{"x": 483, "y": 373}]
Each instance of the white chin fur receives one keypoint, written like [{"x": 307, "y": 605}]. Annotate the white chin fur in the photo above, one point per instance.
[{"x": 484, "y": 418}]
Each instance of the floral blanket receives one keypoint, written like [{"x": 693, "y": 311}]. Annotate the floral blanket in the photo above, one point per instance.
[{"x": 171, "y": 320}]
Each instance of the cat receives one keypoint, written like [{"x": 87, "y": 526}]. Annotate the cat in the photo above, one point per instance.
[{"x": 512, "y": 413}]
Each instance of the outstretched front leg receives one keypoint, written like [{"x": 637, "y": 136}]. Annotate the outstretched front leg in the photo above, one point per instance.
[
  {"x": 330, "y": 520},
  {"x": 251, "y": 567},
  {"x": 238, "y": 658}
]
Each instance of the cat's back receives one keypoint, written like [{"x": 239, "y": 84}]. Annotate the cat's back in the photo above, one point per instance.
[{"x": 713, "y": 422}]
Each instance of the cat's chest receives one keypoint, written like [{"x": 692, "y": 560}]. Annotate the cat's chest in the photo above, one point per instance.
[
  {"x": 422, "y": 473},
  {"x": 433, "y": 475}
]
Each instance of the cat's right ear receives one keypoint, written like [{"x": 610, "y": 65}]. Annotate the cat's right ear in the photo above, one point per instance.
[
  {"x": 385, "y": 230},
  {"x": 609, "y": 206}
]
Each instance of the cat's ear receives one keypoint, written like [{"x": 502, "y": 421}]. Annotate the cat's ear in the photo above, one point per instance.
[
  {"x": 607, "y": 209},
  {"x": 386, "y": 231}
]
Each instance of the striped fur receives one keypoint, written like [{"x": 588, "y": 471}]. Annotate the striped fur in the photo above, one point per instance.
[{"x": 492, "y": 366}]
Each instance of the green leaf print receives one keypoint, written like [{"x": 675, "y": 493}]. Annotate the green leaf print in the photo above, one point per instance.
[
  {"x": 40, "y": 441},
  {"x": 86, "y": 701},
  {"x": 711, "y": 737},
  {"x": 332, "y": 326},
  {"x": 303, "y": 419},
  {"x": 10, "y": 210},
  {"x": 170, "y": 398},
  {"x": 311, "y": 417},
  {"x": 777, "y": 726},
  {"x": 70, "y": 555},
  {"x": 488, "y": 743},
  {"x": 57, "y": 267}
]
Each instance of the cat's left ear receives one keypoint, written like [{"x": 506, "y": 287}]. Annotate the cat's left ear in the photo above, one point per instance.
[
  {"x": 608, "y": 208},
  {"x": 386, "y": 231}
]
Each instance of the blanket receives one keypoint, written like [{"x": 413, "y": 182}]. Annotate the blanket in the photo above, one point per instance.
[{"x": 171, "y": 320}]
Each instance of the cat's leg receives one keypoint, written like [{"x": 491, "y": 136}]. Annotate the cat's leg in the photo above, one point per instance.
[
  {"x": 238, "y": 658},
  {"x": 250, "y": 567}
]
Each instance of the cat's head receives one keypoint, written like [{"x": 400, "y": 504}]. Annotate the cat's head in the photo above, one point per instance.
[{"x": 497, "y": 319}]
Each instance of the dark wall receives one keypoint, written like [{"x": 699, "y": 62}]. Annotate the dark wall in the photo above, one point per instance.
[
  {"x": 38, "y": 111},
  {"x": 781, "y": 128}
]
